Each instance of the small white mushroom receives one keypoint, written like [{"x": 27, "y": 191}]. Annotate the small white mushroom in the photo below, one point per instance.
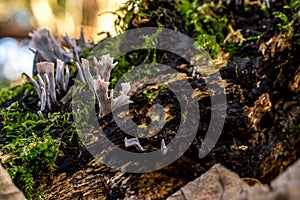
[
  {"x": 104, "y": 66},
  {"x": 65, "y": 99},
  {"x": 34, "y": 83},
  {"x": 120, "y": 101},
  {"x": 163, "y": 147},
  {"x": 48, "y": 69},
  {"x": 133, "y": 142},
  {"x": 48, "y": 47},
  {"x": 43, "y": 99},
  {"x": 67, "y": 77},
  {"x": 80, "y": 74},
  {"x": 46, "y": 79},
  {"x": 87, "y": 74},
  {"x": 194, "y": 71},
  {"x": 60, "y": 73},
  {"x": 100, "y": 86},
  {"x": 41, "y": 81},
  {"x": 50, "y": 73}
]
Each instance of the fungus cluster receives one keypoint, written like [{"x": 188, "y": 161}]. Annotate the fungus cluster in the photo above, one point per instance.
[
  {"x": 99, "y": 86},
  {"x": 49, "y": 85},
  {"x": 53, "y": 74}
]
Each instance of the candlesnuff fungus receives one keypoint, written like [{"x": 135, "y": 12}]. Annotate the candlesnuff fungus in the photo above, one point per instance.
[
  {"x": 163, "y": 147},
  {"x": 49, "y": 86},
  {"x": 77, "y": 46},
  {"x": 99, "y": 86},
  {"x": 62, "y": 80},
  {"x": 133, "y": 142},
  {"x": 47, "y": 48},
  {"x": 46, "y": 85}
]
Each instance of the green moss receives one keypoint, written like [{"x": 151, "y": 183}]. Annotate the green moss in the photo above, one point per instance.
[
  {"x": 31, "y": 144},
  {"x": 229, "y": 46},
  {"x": 37, "y": 156},
  {"x": 294, "y": 4},
  {"x": 120, "y": 70},
  {"x": 286, "y": 23},
  {"x": 8, "y": 93},
  {"x": 209, "y": 43},
  {"x": 291, "y": 131},
  {"x": 264, "y": 8},
  {"x": 255, "y": 37},
  {"x": 152, "y": 94},
  {"x": 209, "y": 28},
  {"x": 126, "y": 12}
]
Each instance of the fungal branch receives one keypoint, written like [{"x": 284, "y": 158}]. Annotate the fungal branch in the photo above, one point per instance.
[
  {"x": 53, "y": 79},
  {"x": 51, "y": 85},
  {"x": 99, "y": 86},
  {"x": 47, "y": 48},
  {"x": 47, "y": 82}
]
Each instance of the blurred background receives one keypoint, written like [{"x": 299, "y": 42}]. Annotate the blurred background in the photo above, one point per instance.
[{"x": 19, "y": 17}]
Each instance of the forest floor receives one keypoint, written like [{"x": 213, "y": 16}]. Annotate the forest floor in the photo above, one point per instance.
[{"x": 258, "y": 59}]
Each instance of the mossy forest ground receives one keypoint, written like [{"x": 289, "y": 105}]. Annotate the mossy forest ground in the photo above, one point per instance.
[{"x": 256, "y": 47}]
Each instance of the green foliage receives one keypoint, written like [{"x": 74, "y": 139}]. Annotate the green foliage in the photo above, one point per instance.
[
  {"x": 37, "y": 155},
  {"x": 264, "y": 8},
  {"x": 152, "y": 94},
  {"x": 209, "y": 43},
  {"x": 294, "y": 4},
  {"x": 31, "y": 144},
  {"x": 127, "y": 61},
  {"x": 291, "y": 131},
  {"x": 8, "y": 93},
  {"x": 255, "y": 37},
  {"x": 30, "y": 156},
  {"x": 186, "y": 8},
  {"x": 151, "y": 41},
  {"x": 120, "y": 70},
  {"x": 230, "y": 47},
  {"x": 209, "y": 27},
  {"x": 287, "y": 23},
  {"x": 126, "y": 12}
]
